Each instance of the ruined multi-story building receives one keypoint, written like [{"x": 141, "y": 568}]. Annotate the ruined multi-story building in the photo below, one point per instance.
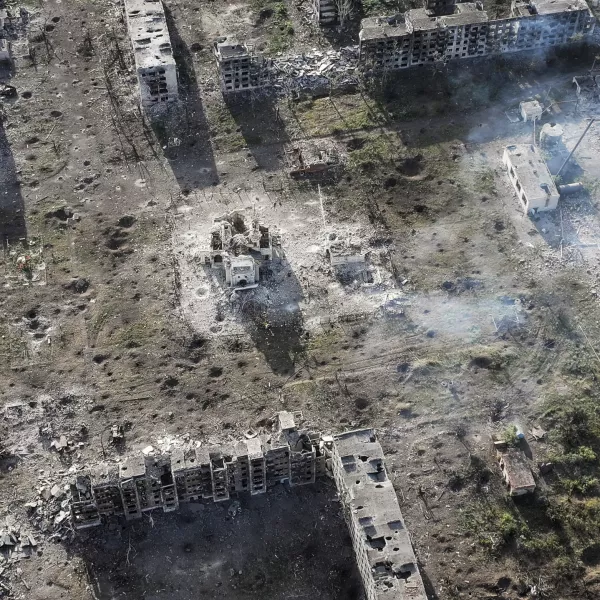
[
  {"x": 153, "y": 53},
  {"x": 444, "y": 31},
  {"x": 288, "y": 455},
  {"x": 13, "y": 34},
  {"x": 325, "y": 12},
  {"x": 142, "y": 483},
  {"x": 240, "y": 70},
  {"x": 382, "y": 545},
  {"x": 241, "y": 244}
]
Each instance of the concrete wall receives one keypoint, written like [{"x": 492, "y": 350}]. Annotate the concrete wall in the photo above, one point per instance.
[
  {"x": 153, "y": 54},
  {"x": 466, "y": 40}
]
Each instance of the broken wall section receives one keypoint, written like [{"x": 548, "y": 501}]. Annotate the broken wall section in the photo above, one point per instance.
[
  {"x": 382, "y": 544},
  {"x": 153, "y": 53},
  {"x": 143, "y": 483}
]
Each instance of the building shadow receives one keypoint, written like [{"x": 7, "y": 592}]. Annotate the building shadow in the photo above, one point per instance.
[
  {"x": 250, "y": 546},
  {"x": 183, "y": 130},
  {"x": 12, "y": 206},
  {"x": 263, "y": 129},
  {"x": 273, "y": 319}
]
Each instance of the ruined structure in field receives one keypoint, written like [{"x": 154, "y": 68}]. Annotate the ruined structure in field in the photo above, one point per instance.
[
  {"x": 288, "y": 455},
  {"x": 241, "y": 244},
  {"x": 531, "y": 178},
  {"x": 516, "y": 472},
  {"x": 343, "y": 249},
  {"x": 444, "y": 31},
  {"x": 153, "y": 54}
]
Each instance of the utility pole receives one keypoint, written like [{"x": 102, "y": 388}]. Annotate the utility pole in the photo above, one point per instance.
[{"x": 576, "y": 145}]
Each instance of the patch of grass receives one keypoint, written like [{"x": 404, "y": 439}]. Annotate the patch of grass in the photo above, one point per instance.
[
  {"x": 276, "y": 19},
  {"x": 376, "y": 150},
  {"x": 137, "y": 335},
  {"x": 224, "y": 130},
  {"x": 494, "y": 527},
  {"x": 373, "y": 8},
  {"x": 328, "y": 116}
]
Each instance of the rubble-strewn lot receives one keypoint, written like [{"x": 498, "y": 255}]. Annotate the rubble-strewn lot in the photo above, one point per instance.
[{"x": 479, "y": 317}]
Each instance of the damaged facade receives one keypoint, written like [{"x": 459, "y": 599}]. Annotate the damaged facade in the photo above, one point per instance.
[
  {"x": 153, "y": 54},
  {"x": 531, "y": 178},
  {"x": 289, "y": 455},
  {"x": 241, "y": 245},
  {"x": 240, "y": 70},
  {"x": 13, "y": 34},
  {"x": 444, "y": 31}
]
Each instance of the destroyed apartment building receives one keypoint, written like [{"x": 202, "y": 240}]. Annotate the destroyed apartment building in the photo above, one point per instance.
[
  {"x": 153, "y": 54},
  {"x": 355, "y": 460},
  {"x": 443, "y": 31},
  {"x": 587, "y": 92},
  {"x": 530, "y": 177},
  {"x": 13, "y": 34},
  {"x": 240, "y": 245},
  {"x": 240, "y": 70}
]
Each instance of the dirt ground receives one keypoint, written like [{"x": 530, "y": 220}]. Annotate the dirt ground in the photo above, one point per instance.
[{"x": 483, "y": 318}]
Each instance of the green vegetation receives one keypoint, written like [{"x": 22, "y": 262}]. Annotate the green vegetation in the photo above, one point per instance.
[
  {"x": 275, "y": 17},
  {"x": 509, "y": 436},
  {"x": 375, "y": 8},
  {"x": 559, "y": 528},
  {"x": 329, "y": 116},
  {"x": 224, "y": 131},
  {"x": 375, "y": 151}
]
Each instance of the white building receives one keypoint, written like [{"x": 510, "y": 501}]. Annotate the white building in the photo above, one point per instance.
[
  {"x": 5, "y": 53},
  {"x": 530, "y": 177},
  {"x": 241, "y": 272},
  {"x": 531, "y": 111},
  {"x": 154, "y": 62}
]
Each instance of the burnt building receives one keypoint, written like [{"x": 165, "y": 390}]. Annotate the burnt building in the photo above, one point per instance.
[{"x": 443, "y": 31}]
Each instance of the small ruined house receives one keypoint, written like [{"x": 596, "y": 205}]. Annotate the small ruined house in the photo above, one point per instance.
[
  {"x": 531, "y": 178},
  {"x": 516, "y": 472}
]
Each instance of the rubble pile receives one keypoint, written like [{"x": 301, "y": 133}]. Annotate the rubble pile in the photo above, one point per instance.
[
  {"x": 49, "y": 511},
  {"x": 316, "y": 70},
  {"x": 16, "y": 542}
]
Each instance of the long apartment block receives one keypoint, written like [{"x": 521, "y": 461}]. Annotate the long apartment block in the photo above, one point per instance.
[
  {"x": 143, "y": 483},
  {"x": 288, "y": 455},
  {"x": 153, "y": 53},
  {"x": 444, "y": 31}
]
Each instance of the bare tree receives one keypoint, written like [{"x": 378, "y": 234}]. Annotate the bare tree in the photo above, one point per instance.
[{"x": 344, "y": 9}]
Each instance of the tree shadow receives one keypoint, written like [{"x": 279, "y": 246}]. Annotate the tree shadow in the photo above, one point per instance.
[
  {"x": 183, "y": 130},
  {"x": 261, "y": 126},
  {"x": 12, "y": 206}
]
